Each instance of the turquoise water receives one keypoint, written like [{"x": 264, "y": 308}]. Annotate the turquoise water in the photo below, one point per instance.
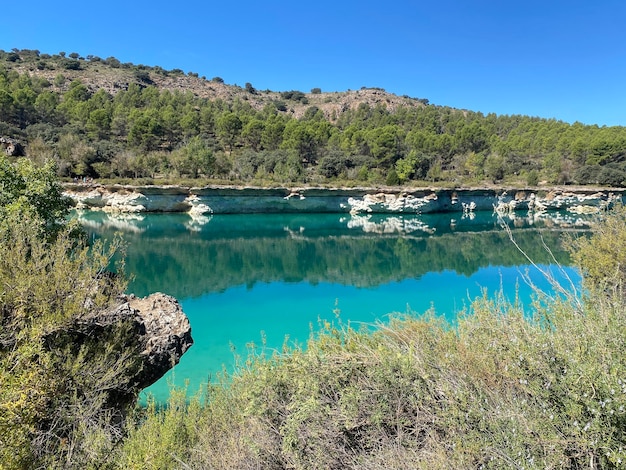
[{"x": 267, "y": 279}]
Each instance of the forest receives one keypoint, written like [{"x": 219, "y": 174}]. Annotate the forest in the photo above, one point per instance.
[{"x": 137, "y": 130}]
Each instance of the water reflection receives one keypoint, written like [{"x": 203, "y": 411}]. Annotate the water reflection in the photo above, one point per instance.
[
  {"x": 240, "y": 275},
  {"x": 188, "y": 257},
  {"x": 410, "y": 224}
]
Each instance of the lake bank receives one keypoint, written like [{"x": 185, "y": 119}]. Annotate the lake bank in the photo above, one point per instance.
[{"x": 249, "y": 200}]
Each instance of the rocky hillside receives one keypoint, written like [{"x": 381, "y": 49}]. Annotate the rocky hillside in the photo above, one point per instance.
[
  {"x": 113, "y": 76},
  {"x": 100, "y": 118}
]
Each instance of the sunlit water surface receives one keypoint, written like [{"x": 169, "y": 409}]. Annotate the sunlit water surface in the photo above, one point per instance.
[{"x": 267, "y": 279}]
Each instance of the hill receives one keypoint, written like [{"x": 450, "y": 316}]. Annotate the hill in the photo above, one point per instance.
[
  {"x": 113, "y": 76},
  {"x": 100, "y": 118}
]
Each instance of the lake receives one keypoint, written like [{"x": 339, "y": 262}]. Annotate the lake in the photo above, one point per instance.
[{"x": 248, "y": 280}]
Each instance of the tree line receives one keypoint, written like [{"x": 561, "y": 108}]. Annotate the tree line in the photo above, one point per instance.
[{"x": 145, "y": 132}]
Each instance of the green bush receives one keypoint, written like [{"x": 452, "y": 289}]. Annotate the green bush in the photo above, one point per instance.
[
  {"x": 61, "y": 390},
  {"x": 392, "y": 178},
  {"x": 602, "y": 258},
  {"x": 532, "y": 178}
]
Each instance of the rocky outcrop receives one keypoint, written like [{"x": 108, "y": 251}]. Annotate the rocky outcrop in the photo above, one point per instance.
[
  {"x": 128, "y": 199},
  {"x": 504, "y": 201},
  {"x": 162, "y": 333},
  {"x": 11, "y": 147},
  {"x": 124, "y": 349},
  {"x": 244, "y": 200},
  {"x": 167, "y": 334}
]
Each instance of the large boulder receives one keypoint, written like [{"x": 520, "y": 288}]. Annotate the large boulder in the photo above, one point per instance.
[
  {"x": 167, "y": 334},
  {"x": 152, "y": 333}
]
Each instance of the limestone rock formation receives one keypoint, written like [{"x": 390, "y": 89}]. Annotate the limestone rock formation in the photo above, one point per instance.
[
  {"x": 167, "y": 334},
  {"x": 162, "y": 333},
  {"x": 214, "y": 200}
]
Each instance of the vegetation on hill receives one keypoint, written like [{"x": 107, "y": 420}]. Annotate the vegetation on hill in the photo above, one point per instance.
[{"x": 104, "y": 119}]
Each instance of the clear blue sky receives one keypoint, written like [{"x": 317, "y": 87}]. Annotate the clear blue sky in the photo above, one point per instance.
[{"x": 548, "y": 58}]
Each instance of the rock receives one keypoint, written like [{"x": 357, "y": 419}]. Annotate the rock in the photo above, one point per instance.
[
  {"x": 213, "y": 200},
  {"x": 162, "y": 333},
  {"x": 167, "y": 334},
  {"x": 11, "y": 147},
  {"x": 124, "y": 349}
]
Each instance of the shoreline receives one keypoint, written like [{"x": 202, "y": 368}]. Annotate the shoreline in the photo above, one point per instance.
[{"x": 223, "y": 199}]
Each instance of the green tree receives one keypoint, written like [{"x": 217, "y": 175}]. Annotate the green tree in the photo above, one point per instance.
[
  {"x": 99, "y": 123},
  {"x": 252, "y": 133},
  {"x": 194, "y": 159},
  {"x": 300, "y": 136},
  {"x": 30, "y": 190},
  {"x": 473, "y": 138},
  {"x": 228, "y": 129},
  {"x": 532, "y": 179},
  {"x": 76, "y": 156},
  {"x": 494, "y": 167},
  {"x": 475, "y": 164},
  {"x": 272, "y": 136},
  {"x": 335, "y": 163},
  {"x": 146, "y": 128},
  {"x": 392, "y": 178},
  {"x": 414, "y": 166},
  {"x": 24, "y": 105},
  {"x": 45, "y": 105},
  {"x": 189, "y": 122},
  {"x": 386, "y": 144},
  {"x": 289, "y": 169},
  {"x": 6, "y": 103}
]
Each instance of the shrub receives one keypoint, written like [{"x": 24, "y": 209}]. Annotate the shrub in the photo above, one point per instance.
[
  {"x": 59, "y": 398},
  {"x": 532, "y": 179},
  {"x": 602, "y": 258},
  {"x": 295, "y": 96},
  {"x": 392, "y": 178}
]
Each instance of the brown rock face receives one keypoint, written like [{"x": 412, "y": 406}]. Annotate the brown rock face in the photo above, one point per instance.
[{"x": 124, "y": 349}]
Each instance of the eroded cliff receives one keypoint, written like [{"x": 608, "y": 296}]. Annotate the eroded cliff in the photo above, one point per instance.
[{"x": 242, "y": 200}]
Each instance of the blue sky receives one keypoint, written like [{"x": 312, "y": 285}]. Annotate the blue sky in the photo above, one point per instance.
[{"x": 548, "y": 58}]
